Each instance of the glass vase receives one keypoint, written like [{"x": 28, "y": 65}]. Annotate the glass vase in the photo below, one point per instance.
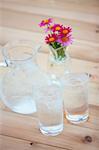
[{"x": 58, "y": 62}]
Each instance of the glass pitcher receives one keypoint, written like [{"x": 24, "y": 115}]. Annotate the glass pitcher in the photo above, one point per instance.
[{"x": 22, "y": 74}]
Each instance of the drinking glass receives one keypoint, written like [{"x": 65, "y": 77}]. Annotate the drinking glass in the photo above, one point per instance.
[
  {"x": 75, "y": 97},
  {"x": 50, "y": 108}
]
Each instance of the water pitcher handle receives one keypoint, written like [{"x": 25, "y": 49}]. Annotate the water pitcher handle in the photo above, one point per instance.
[
  {"x": 5, "y": 57},
  {"x": 4, "y": 62}
]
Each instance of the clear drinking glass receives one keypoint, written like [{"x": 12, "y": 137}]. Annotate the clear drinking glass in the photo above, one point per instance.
[
  {"x": 50, "y": 108},
  {"x": 75, "y": 97}
]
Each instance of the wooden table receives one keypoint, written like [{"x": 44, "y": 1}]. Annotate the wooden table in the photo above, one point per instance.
[{"x": 21, "y": 132}]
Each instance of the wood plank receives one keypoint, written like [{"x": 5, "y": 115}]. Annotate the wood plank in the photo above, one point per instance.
[
  {"x": 30, "y": 22},
  {"x": 10, "y": 143},
  {"x": 66, "y": 14},
  {"x": 47, "y": 2},
  {"x": 16, "y": 10},
  {"x": 79, "y": 49},
  {"x": 73, "y": 136},
  {"x": 92, "y": 123},
  {"x": 89, "y": 6},
  {"x": 21, "y": 19}
]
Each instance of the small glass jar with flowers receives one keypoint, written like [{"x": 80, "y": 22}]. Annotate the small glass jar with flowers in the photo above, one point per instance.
[{"x": 59, "y": 38}]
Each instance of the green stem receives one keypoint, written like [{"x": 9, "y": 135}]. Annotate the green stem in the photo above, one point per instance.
[{"x": 58, "y": 51}]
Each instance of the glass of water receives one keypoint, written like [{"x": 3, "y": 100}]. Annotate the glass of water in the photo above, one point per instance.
[
  {"x": 75, "y": 97},
  {"x": 50, "y": 108}
]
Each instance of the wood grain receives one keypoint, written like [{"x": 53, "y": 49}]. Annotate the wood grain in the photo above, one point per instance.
[
  {"x": 79, "y": 49},
  {"x": 19, "y": 131},
  {"x": 29, "y": 21},
  {"x": 73, "y": 136},
  {"x": 66, "y": 14},
  {"x": 21, "y": 18},
  {"x": 89, "y": 6},
  {"x": 10, "y": 143}
]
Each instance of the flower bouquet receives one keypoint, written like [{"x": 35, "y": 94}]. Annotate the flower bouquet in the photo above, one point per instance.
[{"x": 58, "y": 38}]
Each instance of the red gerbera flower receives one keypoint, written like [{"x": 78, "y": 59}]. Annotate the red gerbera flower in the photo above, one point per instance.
[
  {"x": 46, "y": 22},
  {"x": 56, "y": 27},
  {"x": 65, "y": 30},
  {"x": 51, "y": 38}
]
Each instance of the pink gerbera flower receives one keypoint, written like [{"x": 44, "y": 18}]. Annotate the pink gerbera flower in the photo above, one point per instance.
[
  {"x": 56, "y": 27},
  {"x": 65, "y": 40},
  {"x": 65, "y": 30},
  {"x": 46, "y": 22},
  {"x": 51, "y": 38}
]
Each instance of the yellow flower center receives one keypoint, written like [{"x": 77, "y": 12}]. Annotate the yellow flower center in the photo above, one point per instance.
[
  {"x": 65, "y": 31},
  {"x": 64, "y": 39},
  {"x": 57, "y": 28},
  {"x": 51, "y": 39},
  {"x": 46, "y": 21},
  {"x": 50, "y": 27}
]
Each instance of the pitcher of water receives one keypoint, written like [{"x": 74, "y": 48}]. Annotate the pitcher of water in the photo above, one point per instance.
[{"x": 22, "y": 74}]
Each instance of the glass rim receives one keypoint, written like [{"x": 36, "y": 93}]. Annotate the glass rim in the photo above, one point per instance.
[
  {"x": 71, "y": 78},
  {"x": 19, "y": 43},
  {"x": 16, "y": 42},
  {"x": 22, "y": 60}
]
